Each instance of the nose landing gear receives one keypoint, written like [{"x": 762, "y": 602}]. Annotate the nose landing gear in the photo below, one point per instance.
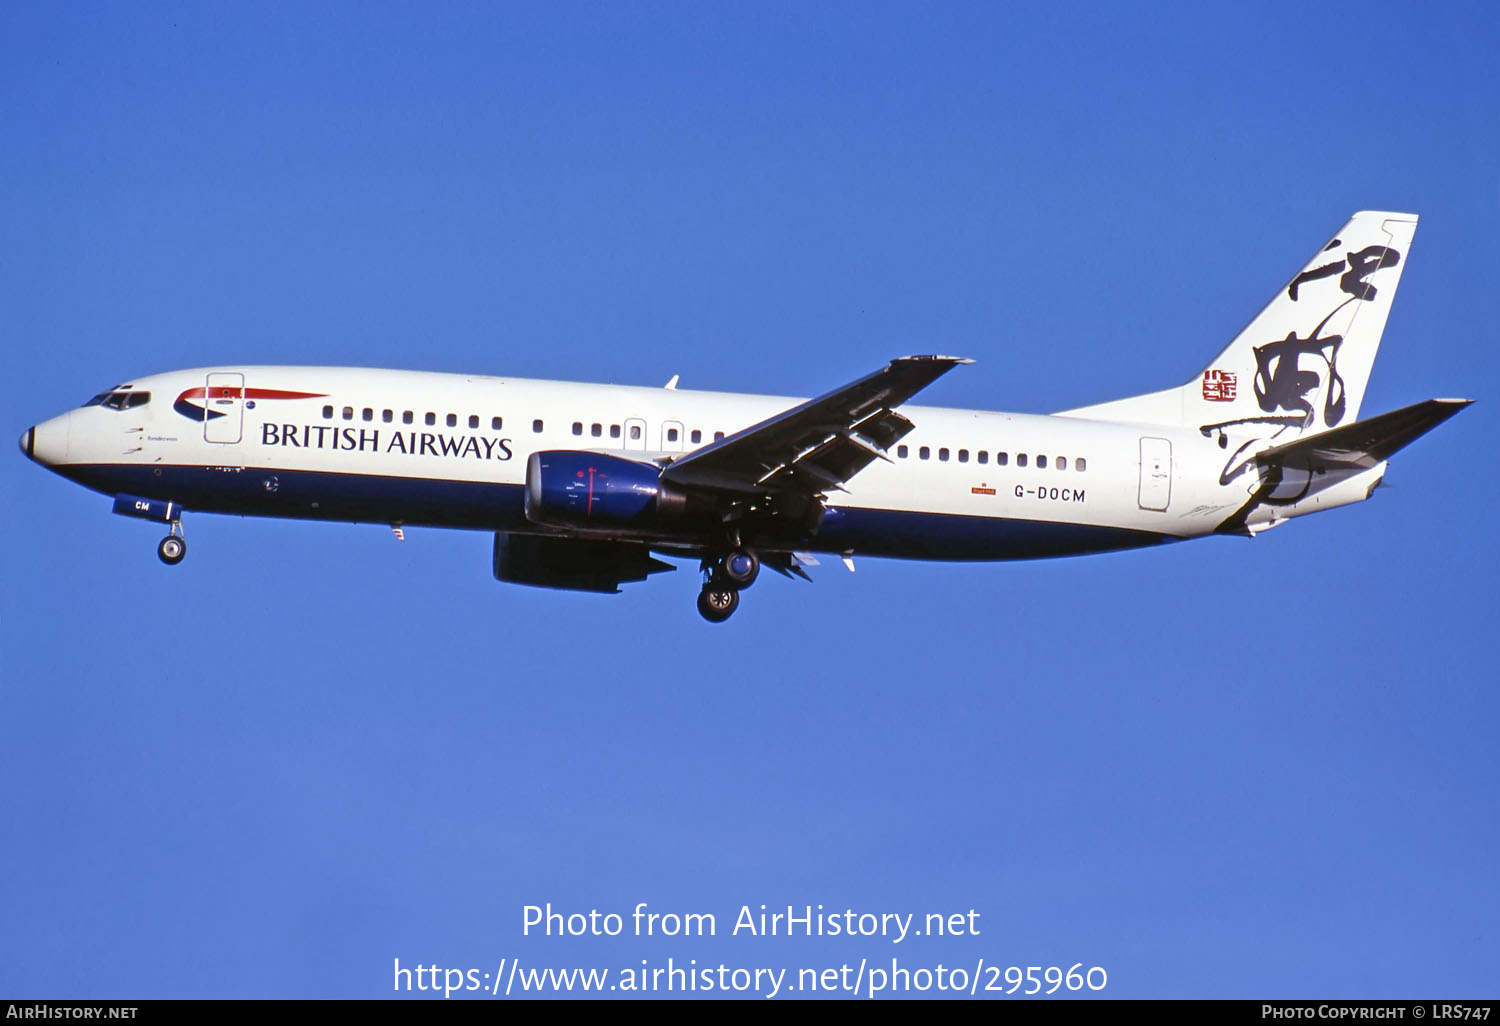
[
  {"x": 173, "y": 548},
  {"x": 725, "y": 579}
]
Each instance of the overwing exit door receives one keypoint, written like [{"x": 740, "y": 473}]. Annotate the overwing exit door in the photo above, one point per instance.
[{"x": 635, "y": 434}]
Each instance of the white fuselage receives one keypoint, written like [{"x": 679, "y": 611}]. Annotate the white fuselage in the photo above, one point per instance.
[{"x": 451, "y": 450}]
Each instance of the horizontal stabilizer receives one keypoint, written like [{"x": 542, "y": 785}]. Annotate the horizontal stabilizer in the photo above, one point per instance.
[
  {"x": 1365, "y": 443},
  {"x": 1332, "y": 468}
]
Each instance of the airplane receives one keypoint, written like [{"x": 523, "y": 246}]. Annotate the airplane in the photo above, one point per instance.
[{"x": 584, "y": 485}]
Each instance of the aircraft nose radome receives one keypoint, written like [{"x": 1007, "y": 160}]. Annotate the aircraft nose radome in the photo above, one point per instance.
[{"x": 47, "y": 442}]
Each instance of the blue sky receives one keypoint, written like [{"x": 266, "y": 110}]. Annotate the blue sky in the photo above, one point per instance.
[{"x": 1223, "y": 769}]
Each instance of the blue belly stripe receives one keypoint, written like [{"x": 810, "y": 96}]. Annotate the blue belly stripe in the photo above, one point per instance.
[{"x": 489, "y": 506}]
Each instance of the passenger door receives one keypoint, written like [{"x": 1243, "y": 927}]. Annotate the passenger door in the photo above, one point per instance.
[
  {"x": 1156, "y": 473},
  {"x": 224, "y": 408}
]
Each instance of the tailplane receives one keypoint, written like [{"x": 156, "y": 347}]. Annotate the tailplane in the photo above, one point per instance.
[
  {"x": 1332, "y": 468},
  {"x": 1302, "y": 364}
]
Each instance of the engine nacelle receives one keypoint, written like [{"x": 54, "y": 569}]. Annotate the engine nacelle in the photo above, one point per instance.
[
  {"x": 572, "y": 564},
  {"x": 569, "y": 488}
]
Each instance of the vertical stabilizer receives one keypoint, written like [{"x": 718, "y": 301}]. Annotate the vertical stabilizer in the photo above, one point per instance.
[{"x": 1302, "y": 364}]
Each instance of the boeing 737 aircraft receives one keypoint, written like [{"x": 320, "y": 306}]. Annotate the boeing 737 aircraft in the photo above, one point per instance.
[{"x": 581, "y": 483}]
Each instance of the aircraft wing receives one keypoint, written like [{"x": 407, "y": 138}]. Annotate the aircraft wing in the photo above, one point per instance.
[{"x": 816, "y": 447}]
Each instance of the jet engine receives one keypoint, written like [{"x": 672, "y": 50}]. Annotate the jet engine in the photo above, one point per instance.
[{"x": 570, "y": 488}]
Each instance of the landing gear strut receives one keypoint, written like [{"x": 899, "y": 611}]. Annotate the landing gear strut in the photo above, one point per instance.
[
  {"x": 725, "y": 580},
  {"x": 173, "y": 547}
]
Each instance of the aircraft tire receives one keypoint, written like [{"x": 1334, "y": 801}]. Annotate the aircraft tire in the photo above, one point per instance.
[
  {"x": 717, "y": 603},
  {"x": 171, "y": 550},
  {"x": 740, "y": 568}
]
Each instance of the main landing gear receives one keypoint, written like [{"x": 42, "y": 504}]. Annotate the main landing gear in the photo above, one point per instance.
[
  {"x": 171, "y": 549},
  {"x": 723, "y": 582}
]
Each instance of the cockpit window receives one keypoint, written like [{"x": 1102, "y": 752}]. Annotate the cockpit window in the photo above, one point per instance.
[{"x": 120, "y": 400}]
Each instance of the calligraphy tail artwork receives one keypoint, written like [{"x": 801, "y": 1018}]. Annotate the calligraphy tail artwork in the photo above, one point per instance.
[
  {"x": 1302, "y": 363},
  {"x": 1281, "y": 402}
]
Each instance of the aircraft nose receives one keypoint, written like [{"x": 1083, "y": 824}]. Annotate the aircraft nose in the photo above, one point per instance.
[{"x": 47, "y": 442}]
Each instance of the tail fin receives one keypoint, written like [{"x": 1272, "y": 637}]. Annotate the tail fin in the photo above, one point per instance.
[{"x": 1302, "y": 364}]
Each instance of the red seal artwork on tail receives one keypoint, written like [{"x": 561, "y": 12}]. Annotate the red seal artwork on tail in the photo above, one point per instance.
[{"x": 1220, "y": 386}]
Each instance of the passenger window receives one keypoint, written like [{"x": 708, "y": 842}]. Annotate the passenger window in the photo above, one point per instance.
[
  {"x": 614, "y": 431},
  {"x": 1062, "y": 463},
  {"x": 328, "y": 413},
  {"x": 367, "y": 414},
  {"x": 451, "y": 420},
  {"x": 596, "y": 430},
  {"x": 963, "y": 455},
  {"x": 671, "y": 434},
  {"x": 984, "y": 457},
  {"x": 718, "y": 436},
  {"x": 387, "y": 416},
  {"x": 407, "y": 417},
  {"x": 901, "y": 451},
  {"x": 1020, "y": 459},
  {"x": 430, "y": 419},
  {"x": 536, "y": 427},
  {"x": 495, "y": 423},
  {"x": 578, "y": 427},
  {"x": 943, "y": 455},
  {"x": 924, "y": 453},
  {"x": 635, "y": 432},
  {"x": 348, "y": 413},
  {"x": 1080, "y": 464},
  {"x": 1002, "y": 458},
  {"x": 696, "y": 436},
  {"x": 1041, "y": 463},
  {"x": 473, "y": 421}
]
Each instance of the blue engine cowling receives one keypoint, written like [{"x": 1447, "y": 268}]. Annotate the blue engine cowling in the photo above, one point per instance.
[{"x": 589, "y": 489}]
